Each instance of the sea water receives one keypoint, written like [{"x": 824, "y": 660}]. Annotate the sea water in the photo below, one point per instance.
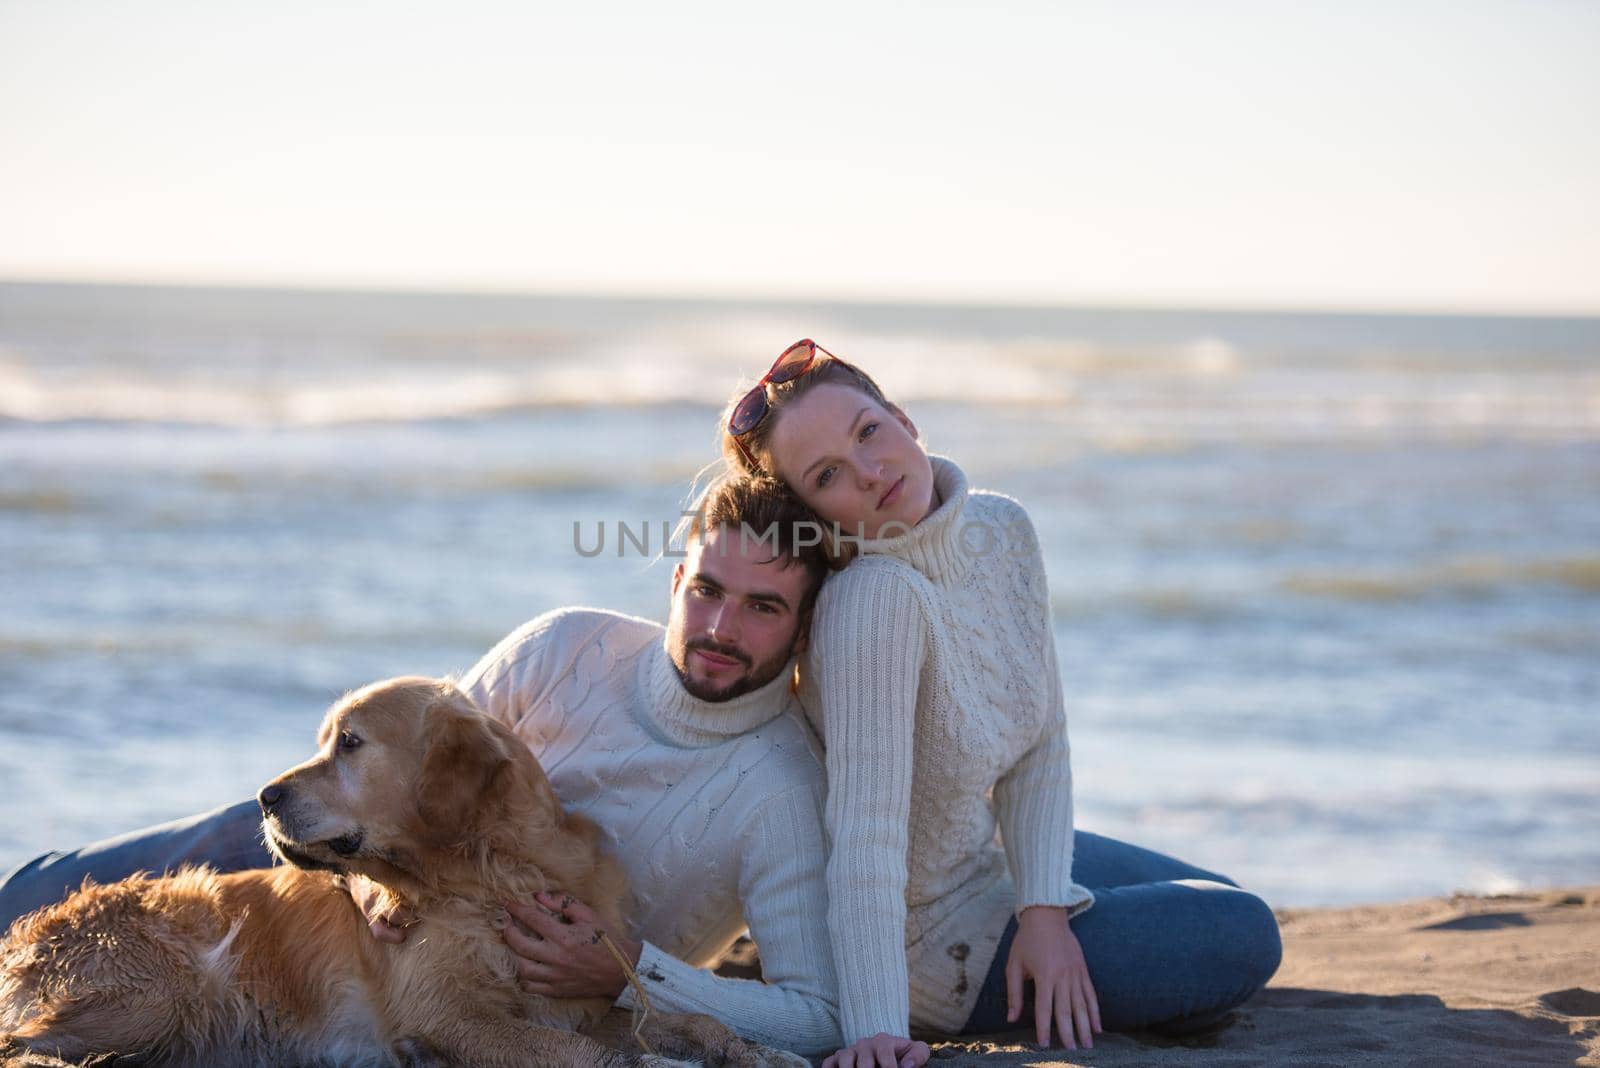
[{"x": 1326, "y": 587}]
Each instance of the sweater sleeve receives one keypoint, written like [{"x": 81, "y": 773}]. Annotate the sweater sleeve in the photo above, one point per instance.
[
  {"x": 1033, "y": 800},
  {"x": 868, "y": 645},
  {"x": 795, "y": 1004}
]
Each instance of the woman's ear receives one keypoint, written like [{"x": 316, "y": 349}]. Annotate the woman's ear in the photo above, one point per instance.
[{"x": 905, "y": 420}]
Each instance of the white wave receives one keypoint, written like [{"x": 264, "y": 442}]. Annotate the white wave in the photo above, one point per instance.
[
  {"x": 1490, "y": 881},
  {"x": 1154, "y": 398}
]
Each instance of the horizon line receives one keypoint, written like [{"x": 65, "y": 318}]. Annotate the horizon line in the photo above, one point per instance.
[{"x": 1085, "y": 302}]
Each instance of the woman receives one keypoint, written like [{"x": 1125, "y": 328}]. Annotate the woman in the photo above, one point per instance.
[{"x": 932, "y": 681}]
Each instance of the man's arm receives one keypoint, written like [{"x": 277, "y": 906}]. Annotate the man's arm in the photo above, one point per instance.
[
  {"x": 783, "y": 892},
  {"x": 781, "y": 854}
]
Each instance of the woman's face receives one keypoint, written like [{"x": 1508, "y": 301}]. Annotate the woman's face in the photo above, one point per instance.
[{"x": 855, "y": 462}]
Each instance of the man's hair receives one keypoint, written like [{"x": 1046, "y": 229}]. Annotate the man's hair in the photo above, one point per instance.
[{"x": 762, "y": 513}]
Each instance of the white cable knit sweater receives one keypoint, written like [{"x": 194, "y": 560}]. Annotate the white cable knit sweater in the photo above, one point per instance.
[
  {"x": 932, "y": 680},
  {"x": 714, "y": 810}
]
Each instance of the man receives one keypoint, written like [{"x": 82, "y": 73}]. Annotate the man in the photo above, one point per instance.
[{"x": 683, "y": 743}]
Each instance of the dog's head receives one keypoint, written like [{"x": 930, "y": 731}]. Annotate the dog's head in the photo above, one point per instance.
[{"x": 407, "y": 772}]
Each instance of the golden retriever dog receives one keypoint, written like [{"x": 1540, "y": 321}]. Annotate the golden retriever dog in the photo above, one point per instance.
[{"x": 449, "y": 814}]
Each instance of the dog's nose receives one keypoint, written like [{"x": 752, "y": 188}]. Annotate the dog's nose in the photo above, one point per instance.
[{"x": 269, "y": 797}]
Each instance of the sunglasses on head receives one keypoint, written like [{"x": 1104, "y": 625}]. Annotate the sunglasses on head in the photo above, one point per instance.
[{"x": 793, "y": 362}]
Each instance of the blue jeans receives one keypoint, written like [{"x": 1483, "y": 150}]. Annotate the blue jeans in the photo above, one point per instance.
[
  {"x": 228, "y": 839},
  {"x": 1170, "y": 947}
]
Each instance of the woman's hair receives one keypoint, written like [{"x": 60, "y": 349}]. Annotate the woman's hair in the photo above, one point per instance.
[{"x": 757, "y": 443}]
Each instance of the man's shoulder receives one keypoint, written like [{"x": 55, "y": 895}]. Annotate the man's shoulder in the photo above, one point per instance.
[
  {"x": 575, "y": 628},
  {"x": 582, "y": 622},
  {"x": 547, "y": 645}
]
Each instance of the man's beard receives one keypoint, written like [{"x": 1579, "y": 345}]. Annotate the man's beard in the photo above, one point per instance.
[{"x": 754, "y": 677}]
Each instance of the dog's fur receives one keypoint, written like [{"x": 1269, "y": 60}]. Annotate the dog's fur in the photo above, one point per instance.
[{"x": 449, "y": 814}]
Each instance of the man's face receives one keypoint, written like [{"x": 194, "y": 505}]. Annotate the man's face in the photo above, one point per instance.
[{"x": 735, "y": 617}]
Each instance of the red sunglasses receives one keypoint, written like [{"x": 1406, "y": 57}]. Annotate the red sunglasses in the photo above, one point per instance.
[{"x": 793, "y": 362}]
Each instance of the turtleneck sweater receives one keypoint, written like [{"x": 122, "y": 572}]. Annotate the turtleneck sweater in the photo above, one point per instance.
[
  {"x": 714, "y": 809},
  {"x": 932, "y": 681}
]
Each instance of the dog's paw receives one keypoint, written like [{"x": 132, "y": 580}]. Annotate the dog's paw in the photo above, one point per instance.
[
  {"x": 768, "y": 1057},
  {"x": 737, "y": 1053},
  {"x": 45, "y": 1051},
  {"x": 651, "y": 1060},
  {"x": 16, "y": 1052},
  {"x": 416, "y": 1053}
]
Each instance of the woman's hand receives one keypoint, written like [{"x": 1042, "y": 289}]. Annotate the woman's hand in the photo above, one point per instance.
[
  {"x": 386, "y": 920},
  {"x": 880, "y": 1051},
  {"x": 1046, "y": 951},
  {"x": 560, "y": 952}
]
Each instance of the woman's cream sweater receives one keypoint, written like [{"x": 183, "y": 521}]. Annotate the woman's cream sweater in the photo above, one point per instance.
[{"x": 932, "y": 682}]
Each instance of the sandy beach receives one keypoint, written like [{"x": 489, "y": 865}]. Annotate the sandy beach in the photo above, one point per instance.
[{"x": 1437, "y": 983}]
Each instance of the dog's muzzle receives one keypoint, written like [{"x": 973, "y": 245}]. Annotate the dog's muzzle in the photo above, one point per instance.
[{"x": 346, "y": 845}]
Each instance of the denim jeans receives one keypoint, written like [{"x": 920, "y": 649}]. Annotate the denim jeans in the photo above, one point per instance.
[
  {"x": 1170, "y": 947},
  {"x": 228, "y": 839}
]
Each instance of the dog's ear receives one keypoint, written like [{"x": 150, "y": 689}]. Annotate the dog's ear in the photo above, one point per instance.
[{"x": 461, "y": 759}]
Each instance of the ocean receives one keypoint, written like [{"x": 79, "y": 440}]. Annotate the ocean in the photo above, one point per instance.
[{"x": 1326, "y": 586}]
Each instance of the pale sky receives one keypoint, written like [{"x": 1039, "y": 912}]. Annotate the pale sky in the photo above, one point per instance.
[{"x": 1340, "y": 154}]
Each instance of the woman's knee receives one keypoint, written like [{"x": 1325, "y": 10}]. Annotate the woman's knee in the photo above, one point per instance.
[
  {"x": 1099, "y": 862},
  {"x": 1248, "y": 943},
  {"x": 1238, "y": 949}
]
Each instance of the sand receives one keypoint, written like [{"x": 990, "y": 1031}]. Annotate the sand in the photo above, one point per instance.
[{"x": 1440, "y": 983}]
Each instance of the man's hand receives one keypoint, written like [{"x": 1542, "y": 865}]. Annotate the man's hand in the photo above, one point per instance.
[
  {"x": 1046, "y": 951},
  {"x": 386, "y": 920},
  {"x": 880, "y": 1051},
  {"x": 559, "y": 949}
]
